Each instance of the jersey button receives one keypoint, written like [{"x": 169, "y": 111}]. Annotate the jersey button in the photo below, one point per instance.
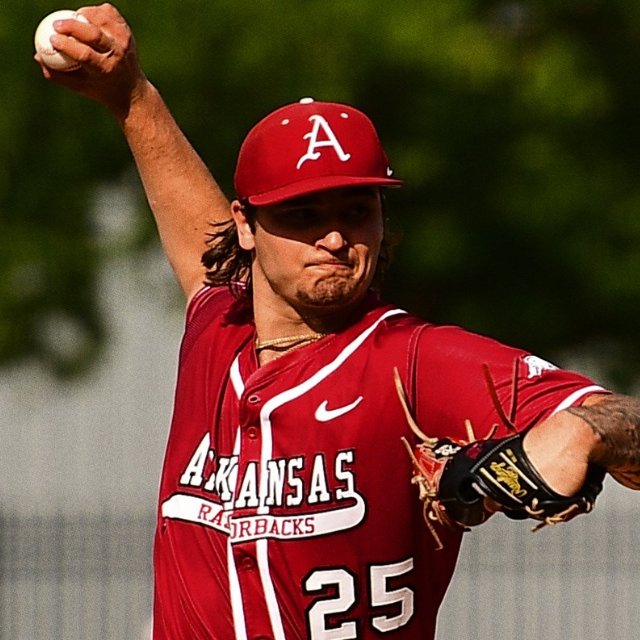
[
  {"x": 248, "y": 563},
  {"x": 253, "y": 399},
  {"x": 252, "y": 432}
]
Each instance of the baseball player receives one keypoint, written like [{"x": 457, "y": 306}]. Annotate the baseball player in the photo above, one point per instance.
[{"x": 327, "y": 450}]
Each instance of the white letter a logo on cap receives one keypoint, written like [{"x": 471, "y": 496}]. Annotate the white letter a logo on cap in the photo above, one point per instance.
[{"x": 314, "y": 144}]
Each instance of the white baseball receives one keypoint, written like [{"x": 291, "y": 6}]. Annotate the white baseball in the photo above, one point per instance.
[{"x": 50, "y": 56}]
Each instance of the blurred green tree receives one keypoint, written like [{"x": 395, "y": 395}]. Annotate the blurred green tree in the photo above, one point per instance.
[{"x": 514, "y": 125}]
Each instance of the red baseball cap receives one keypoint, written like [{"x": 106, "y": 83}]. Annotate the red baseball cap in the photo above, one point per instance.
[{"x": 306, "y": 147}]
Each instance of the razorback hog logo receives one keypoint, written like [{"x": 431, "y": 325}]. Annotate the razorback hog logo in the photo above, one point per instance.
[
  {"x": 537, "y": 366},
  {"x": 329, "y": 139}
]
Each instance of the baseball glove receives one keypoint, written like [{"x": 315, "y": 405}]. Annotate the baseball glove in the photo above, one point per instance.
[{"x": 463, "y": 482}]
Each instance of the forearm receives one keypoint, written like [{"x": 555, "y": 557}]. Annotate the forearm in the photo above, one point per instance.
[
  {"x": 615, "y": 421},
  {"x": 604, "y": 431},
  {"x": 184, "y": 197}
]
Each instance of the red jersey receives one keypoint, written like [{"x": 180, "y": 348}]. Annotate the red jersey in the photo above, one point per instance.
[{"x": 286, "y": 509}]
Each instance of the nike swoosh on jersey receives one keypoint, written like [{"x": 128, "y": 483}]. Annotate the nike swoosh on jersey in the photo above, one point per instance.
[{"x": 323, "y": 414}]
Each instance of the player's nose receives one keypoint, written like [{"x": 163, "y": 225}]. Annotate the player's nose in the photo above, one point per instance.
[{"x": 333, "y": 241}]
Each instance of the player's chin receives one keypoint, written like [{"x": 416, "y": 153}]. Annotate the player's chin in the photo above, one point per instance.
[{"x": 333, "y": 293}]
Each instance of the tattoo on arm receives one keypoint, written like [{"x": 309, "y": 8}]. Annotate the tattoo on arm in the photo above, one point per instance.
[{"x": 616, "y": 420}]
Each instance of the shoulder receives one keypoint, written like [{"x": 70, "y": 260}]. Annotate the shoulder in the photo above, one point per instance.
[
  {"x": 213, "y": 309},
  {"x": 434, "y": 344},
  {"x": 210, "y": 301},
  {"x": 454, "y": 342},
  {"x": 215, "y": 320}
]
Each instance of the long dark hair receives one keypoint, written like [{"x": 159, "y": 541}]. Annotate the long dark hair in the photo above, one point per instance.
[{"x": 228, "y": 264}]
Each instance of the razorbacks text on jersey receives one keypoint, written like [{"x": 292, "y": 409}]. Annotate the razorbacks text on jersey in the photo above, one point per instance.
[{"x": 286, "y": 509}]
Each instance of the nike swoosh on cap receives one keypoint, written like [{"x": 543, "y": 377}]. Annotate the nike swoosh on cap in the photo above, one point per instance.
[{"x": 323, "y": 414}]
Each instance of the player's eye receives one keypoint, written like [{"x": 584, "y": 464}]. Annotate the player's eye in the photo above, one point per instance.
[
  {"x": 358, "y": 212},
  {"x": 301, "y": 217}
]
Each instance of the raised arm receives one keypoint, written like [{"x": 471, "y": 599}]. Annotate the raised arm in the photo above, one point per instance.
[{"x": 183, "y": 196}]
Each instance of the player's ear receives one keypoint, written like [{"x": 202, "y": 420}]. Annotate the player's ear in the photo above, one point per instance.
[{"x": 243, "y": 226}]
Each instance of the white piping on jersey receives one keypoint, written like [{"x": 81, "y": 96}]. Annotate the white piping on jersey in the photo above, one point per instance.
[
  {"x": 235, "y": 592},
  {"x": 571, "y": 399},
  {"x": 267, "y": 450},
  {"x": 236, "y": 379},
  {"x": 235, "y": 595},
  {"x": 269, "y": 590}
]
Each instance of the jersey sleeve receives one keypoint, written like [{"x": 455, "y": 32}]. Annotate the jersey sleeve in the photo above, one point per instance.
[
  {"x": 206, "y": 297},
  {"x": 209, "y": 308},
  {"x": 450, "y": 385}
]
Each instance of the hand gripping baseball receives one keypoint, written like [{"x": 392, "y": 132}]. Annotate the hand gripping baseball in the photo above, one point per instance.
[
  {"x": 105, "y": 50},
  {"x": 462, "y": 483}
]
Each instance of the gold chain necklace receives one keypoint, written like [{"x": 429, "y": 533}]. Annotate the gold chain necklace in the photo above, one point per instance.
[{"x": 297, "y": 341}]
